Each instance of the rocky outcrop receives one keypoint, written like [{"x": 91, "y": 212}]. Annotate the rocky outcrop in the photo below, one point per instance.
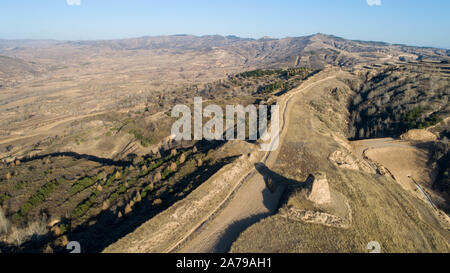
[
  {"x": 344, "y": 159},
  {"x": 314, "y": 217},
  {"x": 418, "y": 135},
  {"x": 320, "y": 191}
]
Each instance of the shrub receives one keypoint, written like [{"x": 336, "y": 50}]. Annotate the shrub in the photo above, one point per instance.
[
  {"x": 113, "y": 197},
  {"x": 146, "y": 190},
  {"x": 291, "y": 72},
  {"x": 4, "y": 197},
  {"x": 19, "y": 185},
  {"x": 122, "y": 189},
  {"x": 64, "y": 228},
  {"x": 109, "y": 181},
  {"x": 39, "y": 197},
  {"x": 155, "y": 165},
  {"x": 258, "y": 73},
  {"x": 84, "y": 206},
  {"x": 271, "y": 88},
  {"x": 81, "y": 185},
  {"x": 145, "y": 141},
  {"x": 413, "y": 119},
  {"x": 144, "y": 194},
  {"x": 167, "y": 171},
  {"x": 16, "y": 217}
]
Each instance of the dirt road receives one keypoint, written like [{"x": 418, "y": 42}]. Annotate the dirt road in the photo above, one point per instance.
[{"x": 251, "y": 202}]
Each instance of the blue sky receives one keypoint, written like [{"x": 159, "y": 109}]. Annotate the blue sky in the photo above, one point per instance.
[{"x": 413, "y": 22}]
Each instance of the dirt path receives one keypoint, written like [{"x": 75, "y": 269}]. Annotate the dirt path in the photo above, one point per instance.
[
  {"x": 362, "y": 145},
  {"x": 251, "y": 202}
]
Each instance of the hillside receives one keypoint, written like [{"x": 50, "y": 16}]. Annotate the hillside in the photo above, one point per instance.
[
  {"x": 367, "y": 200},
  {"x": 86, "y": 152}
]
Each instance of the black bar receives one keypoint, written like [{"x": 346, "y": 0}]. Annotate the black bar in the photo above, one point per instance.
[{"x": 127, "y": 263}]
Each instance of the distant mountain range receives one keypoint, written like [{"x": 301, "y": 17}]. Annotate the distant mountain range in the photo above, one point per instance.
[{"x": 315, "y": 51}]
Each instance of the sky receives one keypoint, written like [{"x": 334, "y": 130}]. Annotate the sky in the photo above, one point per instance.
[{"x": 412, "y": 22}]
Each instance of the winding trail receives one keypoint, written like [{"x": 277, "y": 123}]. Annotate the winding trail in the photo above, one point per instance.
[{"x": 248, "y": 203}]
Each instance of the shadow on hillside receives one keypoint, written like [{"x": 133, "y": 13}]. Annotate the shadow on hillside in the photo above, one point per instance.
[
  {"x": 272, "y": 195},
  {"x": 107, "y": 228},
  {"x": 203, "y": 146},
  {"x": 98, "y": 232},
  {"x": 103, "y": 161}
]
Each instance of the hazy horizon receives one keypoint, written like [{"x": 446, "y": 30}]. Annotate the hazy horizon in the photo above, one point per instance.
[
  {"x": 415, "y": 23},
  {"x": 206, "y": 35}
]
